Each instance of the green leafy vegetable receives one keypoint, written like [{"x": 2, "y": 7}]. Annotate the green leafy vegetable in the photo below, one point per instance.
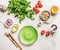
[{"x": 21, "y": 9}]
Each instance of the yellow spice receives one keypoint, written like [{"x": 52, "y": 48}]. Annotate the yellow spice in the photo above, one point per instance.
[{"x": 54, "y": 9}]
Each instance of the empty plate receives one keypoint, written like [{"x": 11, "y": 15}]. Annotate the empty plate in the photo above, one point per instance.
[{"x": 28, "y": 35}]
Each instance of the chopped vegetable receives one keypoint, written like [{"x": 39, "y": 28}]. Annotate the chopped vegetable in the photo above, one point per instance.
[
  {"x": 21, "y": 9},
  {"x": 42, "y": 32},
  {"x": 8, "y": 23}
]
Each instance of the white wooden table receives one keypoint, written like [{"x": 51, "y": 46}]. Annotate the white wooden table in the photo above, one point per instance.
[{"x": 42, "y": 42}]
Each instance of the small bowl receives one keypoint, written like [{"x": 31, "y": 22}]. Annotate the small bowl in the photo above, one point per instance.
[{"x": 45, "y": 16}]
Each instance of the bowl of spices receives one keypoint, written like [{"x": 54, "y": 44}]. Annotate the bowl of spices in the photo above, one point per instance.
[
  {"x": 45, "y": 16},
  {"x": 54, "y": 10}
]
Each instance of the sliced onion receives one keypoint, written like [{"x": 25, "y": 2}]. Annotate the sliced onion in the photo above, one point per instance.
[{"x": 9, "y": 22}]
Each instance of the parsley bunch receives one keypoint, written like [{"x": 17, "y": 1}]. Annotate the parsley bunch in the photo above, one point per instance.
[{"x": 21, "y": 9}]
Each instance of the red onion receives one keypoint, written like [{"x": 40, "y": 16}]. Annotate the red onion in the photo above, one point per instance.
[{"x": 9, "y": 22}]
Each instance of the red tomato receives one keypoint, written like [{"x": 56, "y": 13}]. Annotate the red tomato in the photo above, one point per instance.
[
  {"x": 37, "y": 11},
  {"x": 34, "y": 8},
  {"x": 39, "y": 1},
  {"x": 47, "y": 33},
  {"x": 40, "y": 6},
  {"x": 42, "y": 32},
  {"x": 37, "y": 6}
]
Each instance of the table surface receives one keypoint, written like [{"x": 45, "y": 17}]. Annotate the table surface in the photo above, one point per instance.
[{"x": 42, "y": 43}]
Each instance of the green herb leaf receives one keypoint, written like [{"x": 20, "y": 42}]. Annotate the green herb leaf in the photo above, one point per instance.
[{"x": 21, "y": 9}]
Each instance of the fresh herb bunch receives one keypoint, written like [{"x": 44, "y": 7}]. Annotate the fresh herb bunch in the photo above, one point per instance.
[{"x": 21, "y": 9}]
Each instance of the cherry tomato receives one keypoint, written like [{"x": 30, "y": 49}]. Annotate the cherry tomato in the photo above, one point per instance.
[
  {"x": 42, "y": 32},
  {"x": 39, "y": 2},
  {"x": 47, "y": 33},
  {"x": 40, "y": 5},
  {"x": 37, "y": 6},
  {"x": 37, "y": 11},
  {"x": 34, "y": 8}
]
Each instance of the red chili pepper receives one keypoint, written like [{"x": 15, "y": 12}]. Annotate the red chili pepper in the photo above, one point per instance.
[
  {"x": 47, "y": 33},
  {"x": 42, "y": 32}
]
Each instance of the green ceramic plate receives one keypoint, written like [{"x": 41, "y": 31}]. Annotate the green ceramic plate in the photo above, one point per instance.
[{"x": 28, "y": 35}]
